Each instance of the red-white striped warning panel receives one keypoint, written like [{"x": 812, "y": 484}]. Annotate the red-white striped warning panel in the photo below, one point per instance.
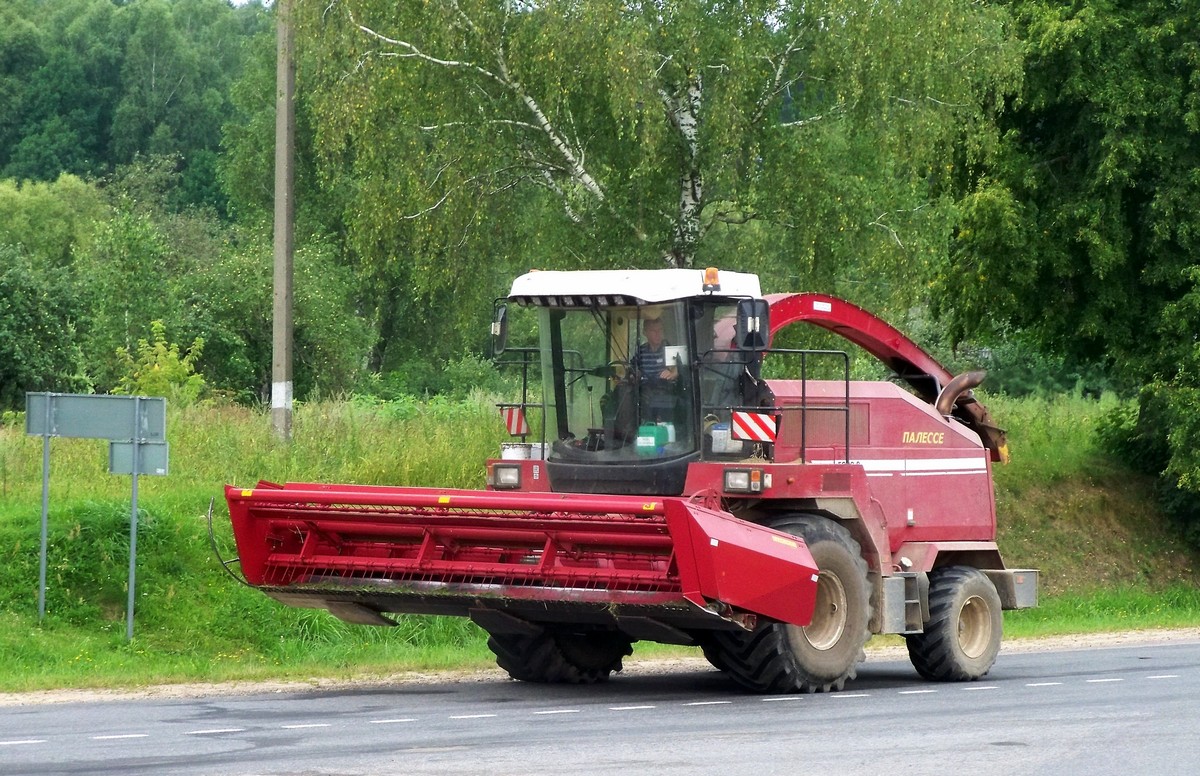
[
  {"x": 514, "y": 420},
  {"x": 754, "y": 426}
]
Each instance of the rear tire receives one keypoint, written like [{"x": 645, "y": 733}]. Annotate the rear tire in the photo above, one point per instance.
[
  {"x": 962, "y": 638},
  {"x": 559, "y": 656},
  {"x": 823, "y": 655}
]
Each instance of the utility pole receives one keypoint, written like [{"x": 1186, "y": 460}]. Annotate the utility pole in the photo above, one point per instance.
[{"x": 285, "y": 212}]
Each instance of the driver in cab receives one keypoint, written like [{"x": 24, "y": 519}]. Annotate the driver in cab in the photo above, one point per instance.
[{"x": 654, "y": 373}]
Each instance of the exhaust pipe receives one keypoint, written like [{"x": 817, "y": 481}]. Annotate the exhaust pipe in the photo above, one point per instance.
[{"x": 956, "y": 388}]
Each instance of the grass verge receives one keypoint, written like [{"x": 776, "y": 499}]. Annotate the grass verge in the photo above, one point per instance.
[{"x": 1108, "y": 559}]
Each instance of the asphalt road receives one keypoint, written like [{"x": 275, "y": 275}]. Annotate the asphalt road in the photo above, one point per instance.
[{"x": 1087, "y": 712}]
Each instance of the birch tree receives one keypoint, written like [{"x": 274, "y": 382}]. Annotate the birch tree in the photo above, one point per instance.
[{"x": 663, "y": 133}]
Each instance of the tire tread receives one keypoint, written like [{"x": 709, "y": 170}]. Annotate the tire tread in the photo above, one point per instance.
[
  {"x": 762, "y": 660},
  {"x": 933, "y": 653},
  {"x": 541, "y": 658}
]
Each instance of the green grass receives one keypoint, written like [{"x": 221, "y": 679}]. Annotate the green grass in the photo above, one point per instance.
[
  {"x": 1088, "y": 522},
  {"x": 192, "y": 620},
  {"x": 1100, "y": 611},
  {"x": 1107, "y": 559}
]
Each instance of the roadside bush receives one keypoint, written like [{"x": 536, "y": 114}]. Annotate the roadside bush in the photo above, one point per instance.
[
  {"x": 160, "y": 370},
  {"x": 1159, "y": 434},
  {"x": 456, "y": 379},
  {"x": 38, "y": 350},
  {"x": 125, "y": 283}
]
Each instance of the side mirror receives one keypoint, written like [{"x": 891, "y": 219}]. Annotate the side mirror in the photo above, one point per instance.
[
  {"x": 500, "y": 329},
  {"x": 753, "y": 325}
]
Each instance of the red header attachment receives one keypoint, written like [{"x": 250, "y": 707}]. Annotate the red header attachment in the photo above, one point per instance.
[{"x": 725, "y": 562}]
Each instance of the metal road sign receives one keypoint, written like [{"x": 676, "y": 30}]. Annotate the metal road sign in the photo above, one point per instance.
[
  {"x": 96, "y": 416},
  {"x": 152, "y": 458},
  {"x": 136, "y": 427}
]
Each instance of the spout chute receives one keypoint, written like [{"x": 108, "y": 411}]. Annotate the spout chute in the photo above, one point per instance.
[
  {"x": 949, "y": 395},
  {"x": 927, "y": 377}
]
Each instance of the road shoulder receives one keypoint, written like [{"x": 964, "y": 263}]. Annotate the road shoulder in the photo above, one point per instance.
[{"x": 876, "y": 652}]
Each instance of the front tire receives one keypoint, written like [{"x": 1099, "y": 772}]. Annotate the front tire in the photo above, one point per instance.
[
  {"x": 962, "y": 638},
  {"x": 823, "y": 655},
  {"x": 559, "y": 656}
]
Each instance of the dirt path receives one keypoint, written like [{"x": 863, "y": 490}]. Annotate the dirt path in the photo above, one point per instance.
[{"x": 633, "y": 667}]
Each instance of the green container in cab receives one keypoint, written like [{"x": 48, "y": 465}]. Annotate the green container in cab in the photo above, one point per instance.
[{"x": 651, "y": 439}]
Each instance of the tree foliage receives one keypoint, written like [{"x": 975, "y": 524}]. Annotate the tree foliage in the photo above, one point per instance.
[
  {"x": 125, "y": 285},
  {"x": 37, "y": 338},
  {"x": 806, "y": 138},
  {"x": 228, "y": 301},
  {"x": 87, "y": 85},
  {"x": 50, "y": 221},
  {"x": 91, "y": 271},
  {"x": 1084, "y": 228}
]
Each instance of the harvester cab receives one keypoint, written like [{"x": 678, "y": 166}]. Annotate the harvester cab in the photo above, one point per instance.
[{"x": 640, "y": 372}]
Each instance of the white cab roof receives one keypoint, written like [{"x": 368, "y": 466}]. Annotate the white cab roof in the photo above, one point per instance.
[{"x": 639, "y": 285}]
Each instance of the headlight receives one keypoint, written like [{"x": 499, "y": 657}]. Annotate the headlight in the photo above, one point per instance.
[
  {"x": 743, "y": 480},
  {"x": 506, "y": 476}
]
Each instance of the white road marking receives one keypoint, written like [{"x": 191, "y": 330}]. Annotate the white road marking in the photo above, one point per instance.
[{"x": 398, "y": 720}]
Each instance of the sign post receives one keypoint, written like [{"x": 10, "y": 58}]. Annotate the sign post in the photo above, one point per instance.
[
  {"x": 136, "y": 427},
  {"x": 133, "y": 515},
  {"x": 45, "y": 513}
]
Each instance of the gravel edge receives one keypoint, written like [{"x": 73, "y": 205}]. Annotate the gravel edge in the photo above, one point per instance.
[{"x": 633, "y": 667}]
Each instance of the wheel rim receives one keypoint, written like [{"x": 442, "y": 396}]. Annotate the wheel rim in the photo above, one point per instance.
[
  {"x": 974, "y": 627},
  {"x": 829, "y": 613}
]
